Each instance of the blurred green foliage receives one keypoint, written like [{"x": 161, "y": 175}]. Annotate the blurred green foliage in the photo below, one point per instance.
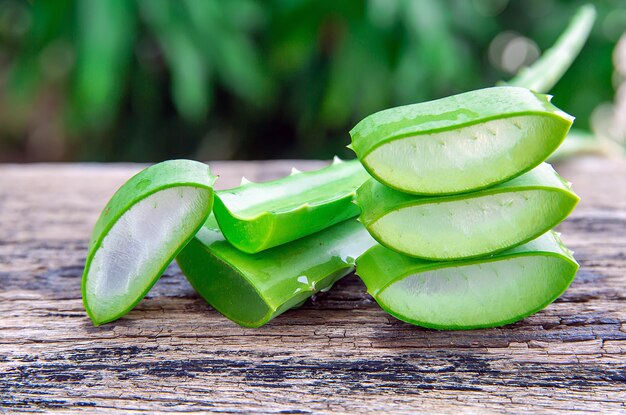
[{"x": 146, "y": 80}]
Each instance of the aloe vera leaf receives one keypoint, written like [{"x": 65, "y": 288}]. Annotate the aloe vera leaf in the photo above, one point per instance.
[
  {"x": 467, "y": 225},
  {"x": 252, "y": 289},
  {"x": 469, "y": 294},
  {"x": 258, "y": 216},
  {"x": 140, "y": 231},
  {"x": 542, "y": 75},
  {"x": 460, "y": 143}
]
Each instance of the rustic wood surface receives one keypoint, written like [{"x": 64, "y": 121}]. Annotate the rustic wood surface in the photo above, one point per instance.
[{"x": 339, "y": 353}]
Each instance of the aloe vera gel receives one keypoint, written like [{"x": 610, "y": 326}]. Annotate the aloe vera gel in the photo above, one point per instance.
[
  {"x": 467, "y": 225},
  {"x": 460, "y": 143},
  {"x": 468, "y": 294},
  {"x": 140, "y": 231}
]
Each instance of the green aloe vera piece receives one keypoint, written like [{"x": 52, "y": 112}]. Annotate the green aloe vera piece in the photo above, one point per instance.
[
  {"x": 467, "y": 225},
  {"x": 140, "y": 231},
  {"x": 252, "y": 289},
  {"x": 469, "y": 294},
  {"x": 257, "y": 216},
  {"x": 460, "y": 143},
  {"x": 542, "y": 75}
]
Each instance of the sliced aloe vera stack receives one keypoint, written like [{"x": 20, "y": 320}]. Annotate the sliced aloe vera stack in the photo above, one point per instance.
[
  {"x": 258, "y": 216},
  {"x": 460, "y": 143},
  {"x": 252, "y": 289},
  {"x": 470, "y": 224},
  {"x": 140, "y": 231},
  {"x": 469, "y": 294}
]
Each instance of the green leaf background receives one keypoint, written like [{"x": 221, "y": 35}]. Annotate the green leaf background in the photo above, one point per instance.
[{"x": 146, "y": 80}]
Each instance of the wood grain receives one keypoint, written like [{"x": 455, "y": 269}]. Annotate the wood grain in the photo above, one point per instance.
[{"x": 339, "y": 353}]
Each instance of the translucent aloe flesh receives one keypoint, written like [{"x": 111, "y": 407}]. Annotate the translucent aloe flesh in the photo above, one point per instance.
[
  {"x": 470, "y": 224},
  {"x": 548, "y": 69},
  {"x": 140, "y": 231},
  {"x": 460, "y": 143},
  {"x": 258, "y": 216},
  {"x": 469, "y": 294},
  {"x": 252, "y": 289}
]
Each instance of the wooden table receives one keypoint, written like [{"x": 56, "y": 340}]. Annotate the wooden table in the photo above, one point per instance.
[{"x": 339, "y": 353}]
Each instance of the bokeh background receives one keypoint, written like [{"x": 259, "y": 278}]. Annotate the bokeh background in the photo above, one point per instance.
[{"x": 147, "y": 80}]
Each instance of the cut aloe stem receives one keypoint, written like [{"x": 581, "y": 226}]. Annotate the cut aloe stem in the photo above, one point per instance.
[
  {"x": 548, "y": 69},
  {"x": 467, "y": 225},
  {"x": 252, "y": 289},
  {"x": 140, "y": 231},
  {"x": 460, "y": 143},
  {"x": 258, "y": 216},
  {"x": 469, "y": 294}
]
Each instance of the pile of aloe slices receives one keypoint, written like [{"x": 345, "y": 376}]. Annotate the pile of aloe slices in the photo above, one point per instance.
[
  {"x": 463, "y": 206},
  {"x": 455, "y": 206}
]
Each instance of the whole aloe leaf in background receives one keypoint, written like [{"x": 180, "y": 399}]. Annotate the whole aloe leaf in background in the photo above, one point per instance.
[{"x": 548, "y": 70}]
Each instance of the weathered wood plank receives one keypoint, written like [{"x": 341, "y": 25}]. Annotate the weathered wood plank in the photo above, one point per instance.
[{"x": 339, "y": 353}]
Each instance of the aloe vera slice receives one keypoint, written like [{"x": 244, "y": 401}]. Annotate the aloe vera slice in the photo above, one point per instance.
[
  {"x": 140, "y": 231},
  {"x": 547, "y": 70},
  {"x": 469, "y": 294},
  {"x": 258, "y": 216},
  {"x": 460, "y": 143},
  {"x": 252, "y": 289},
  {"x": 470, "y": 224}
]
